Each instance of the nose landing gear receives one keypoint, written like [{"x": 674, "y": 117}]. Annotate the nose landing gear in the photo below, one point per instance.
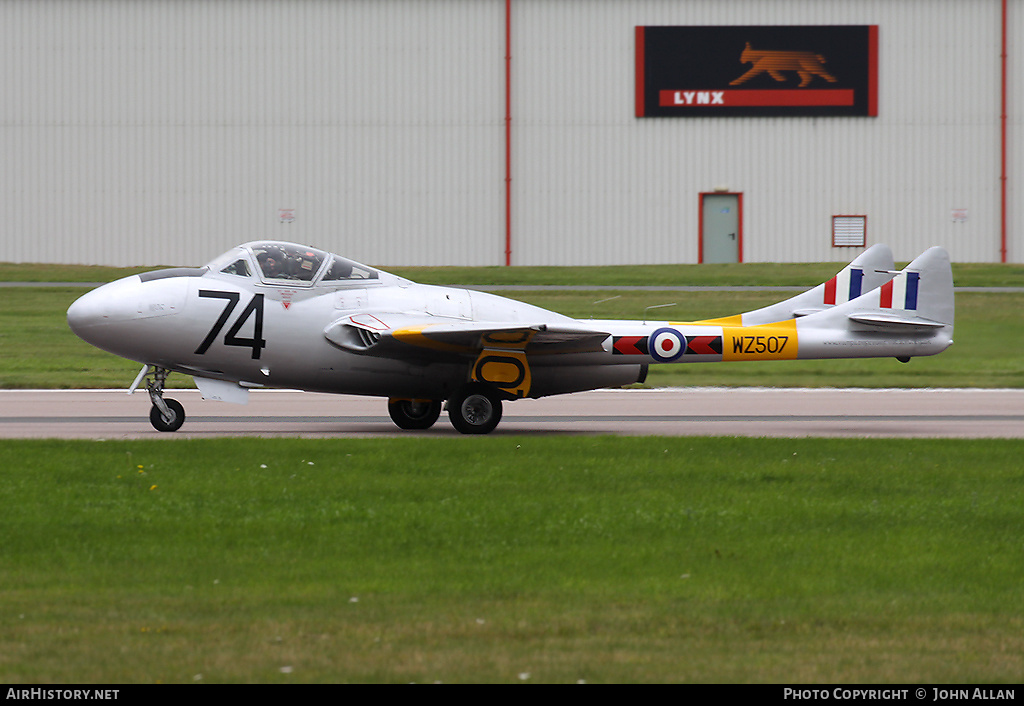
[
  {"x": 170, "y": 418},
  {"x": 165, "y": 414}
]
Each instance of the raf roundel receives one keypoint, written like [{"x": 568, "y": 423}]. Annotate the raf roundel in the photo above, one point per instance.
[{"x": 667, "y": 345}]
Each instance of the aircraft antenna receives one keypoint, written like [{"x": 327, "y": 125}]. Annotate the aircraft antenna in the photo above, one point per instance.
[
  {"x": 656, "y": 306},
  {"x": 602, "y": 301}
]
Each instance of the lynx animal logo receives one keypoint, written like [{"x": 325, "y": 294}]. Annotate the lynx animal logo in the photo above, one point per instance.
[{"x": 807, "y": 65}]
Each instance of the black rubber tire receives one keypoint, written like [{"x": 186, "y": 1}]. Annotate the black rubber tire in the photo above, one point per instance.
[
  {"x": 157, "y": 419},
  {"x": 475, "y": 409},
  {"x": 414, "y": 414}
]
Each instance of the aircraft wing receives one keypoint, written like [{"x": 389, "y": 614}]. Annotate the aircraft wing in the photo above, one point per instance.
[{"x": 411, "y": 335}]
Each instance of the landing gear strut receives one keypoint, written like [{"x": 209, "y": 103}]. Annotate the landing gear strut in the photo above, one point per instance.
[{"x": 165, "y": 414}]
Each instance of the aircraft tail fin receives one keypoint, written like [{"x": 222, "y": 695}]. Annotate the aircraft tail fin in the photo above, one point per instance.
[
  {"x": 910, "y": 315},
  {"x": 920, "y": 297},
  {"x": 872, "y": 268}
]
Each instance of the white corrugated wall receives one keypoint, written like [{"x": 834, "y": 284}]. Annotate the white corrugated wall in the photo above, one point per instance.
[
  {"x": 597, "y": 185},
  {"x": 166, "y": 131}
]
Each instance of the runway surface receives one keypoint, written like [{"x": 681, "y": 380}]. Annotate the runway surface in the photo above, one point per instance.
[{"x": 112, "y": 414}]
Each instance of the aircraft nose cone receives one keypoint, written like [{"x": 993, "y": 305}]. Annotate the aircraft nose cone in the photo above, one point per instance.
[
  {"x": 109, "y": 304},
  {"x": 84, "y": 312}
]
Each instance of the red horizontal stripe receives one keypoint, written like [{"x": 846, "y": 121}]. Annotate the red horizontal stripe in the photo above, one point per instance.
[
  {"x": 628, "y": 345},
  {"x": 702, "y": 345},
  {"x": 767, "y": 98}
]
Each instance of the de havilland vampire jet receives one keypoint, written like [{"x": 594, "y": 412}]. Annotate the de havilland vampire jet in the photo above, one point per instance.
[{"x": 277, "y": 314}]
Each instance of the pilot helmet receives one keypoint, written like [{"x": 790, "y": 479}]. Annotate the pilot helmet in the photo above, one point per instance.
[{"x": 271, "y": 261}]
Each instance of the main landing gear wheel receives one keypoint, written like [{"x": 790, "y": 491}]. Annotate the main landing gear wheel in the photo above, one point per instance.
[
  {"x": 171, "y": 421},
  {"x": 476, "y": 409},
  {"x": 414, "y": 414}
]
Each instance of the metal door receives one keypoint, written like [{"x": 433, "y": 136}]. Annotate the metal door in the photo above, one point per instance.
[{"x": 721, "y": 228}]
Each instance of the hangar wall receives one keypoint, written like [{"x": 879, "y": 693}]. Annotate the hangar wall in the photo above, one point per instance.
[{"x": 144, "y": 133}]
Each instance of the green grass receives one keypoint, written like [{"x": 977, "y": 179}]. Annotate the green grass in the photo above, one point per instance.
[
  {"x": 754, "y": 273},
  {"x": 604, "y": 560},
  {"x": 39, "y": 272},
  {"x": 37, "y": 350},
  {"x": 747, "y": 274}
]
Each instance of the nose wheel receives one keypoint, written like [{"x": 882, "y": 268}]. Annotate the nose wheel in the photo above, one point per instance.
[
  {"x": 169, "y": 420},
  {"x": 165, "y": 414}
]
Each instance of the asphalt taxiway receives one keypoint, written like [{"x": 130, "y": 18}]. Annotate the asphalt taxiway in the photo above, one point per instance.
[{"x": 752, "y": 412}]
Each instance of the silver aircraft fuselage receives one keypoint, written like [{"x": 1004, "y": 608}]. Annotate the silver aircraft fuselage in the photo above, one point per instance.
[{"x": 284, "y": 315}]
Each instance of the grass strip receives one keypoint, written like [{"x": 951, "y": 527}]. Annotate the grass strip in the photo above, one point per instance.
[
  {"x": 513, "y": 559},
  {"x": 772, "y": 274}
]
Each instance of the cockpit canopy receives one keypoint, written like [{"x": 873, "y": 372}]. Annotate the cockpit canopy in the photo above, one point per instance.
[{"x": 275, "y": 261}]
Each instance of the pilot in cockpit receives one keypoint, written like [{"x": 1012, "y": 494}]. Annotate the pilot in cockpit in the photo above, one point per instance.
[{"x": 271, "y": 262}]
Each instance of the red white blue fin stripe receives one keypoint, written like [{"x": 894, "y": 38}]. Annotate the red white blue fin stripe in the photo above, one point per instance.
[
  {"x": 900, "y": 292},
  {"x": 844, "y": 286}
]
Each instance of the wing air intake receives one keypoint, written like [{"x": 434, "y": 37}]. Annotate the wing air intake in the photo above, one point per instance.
[
  {"x": 367, "y": 338},
  {"x": 351, "y": 337}
]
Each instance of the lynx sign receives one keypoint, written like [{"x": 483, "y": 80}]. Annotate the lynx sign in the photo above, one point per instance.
[{"x": 757, "y": 71}]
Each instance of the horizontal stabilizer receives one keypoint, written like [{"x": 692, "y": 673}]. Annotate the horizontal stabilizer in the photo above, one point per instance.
[{"x": 895, "y": 321}]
